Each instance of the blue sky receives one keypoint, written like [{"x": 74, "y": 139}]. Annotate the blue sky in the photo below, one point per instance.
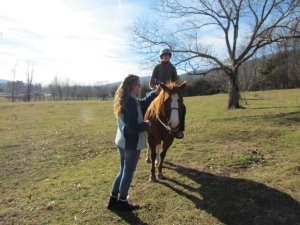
[{"x": 80, "y": 40}]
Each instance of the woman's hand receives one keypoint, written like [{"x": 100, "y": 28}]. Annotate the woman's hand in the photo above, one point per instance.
[
  {"x": 148, "y": 121},
  {"x": 158, "y": 89}
]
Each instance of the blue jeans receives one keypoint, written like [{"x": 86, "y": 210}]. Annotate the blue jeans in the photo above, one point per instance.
[{"x": 128, "y": 162}]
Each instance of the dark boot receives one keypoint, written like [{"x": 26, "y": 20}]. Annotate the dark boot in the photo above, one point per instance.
[
  {"x": 113, "y": 201},
  {"x": 179, "y": 135},
  {"x": 124, "y": 205}
]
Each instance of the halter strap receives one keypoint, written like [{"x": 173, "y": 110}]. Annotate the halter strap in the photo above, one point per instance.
[{"x": 166, "y": 126}]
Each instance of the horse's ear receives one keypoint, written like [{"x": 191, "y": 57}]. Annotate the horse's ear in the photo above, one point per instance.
[{"x": 182, "y": 85}]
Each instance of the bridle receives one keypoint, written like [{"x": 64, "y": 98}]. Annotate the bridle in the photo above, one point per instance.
[{"x": 170, "y": 129}]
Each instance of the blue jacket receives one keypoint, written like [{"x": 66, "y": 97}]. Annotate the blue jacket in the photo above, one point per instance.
[{"x": 131, "y": 126}]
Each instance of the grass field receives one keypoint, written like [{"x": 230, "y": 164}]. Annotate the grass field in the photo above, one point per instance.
[{"x": 58, "y": 162}]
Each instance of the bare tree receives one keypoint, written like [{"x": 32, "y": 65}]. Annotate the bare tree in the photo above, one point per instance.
[
  {"x": 248, "y": 73},
  {"x": 73, "y": 89},
  {"x": 88, "y": 92},
  {"x": 244, "y": 26},
  {"x": 29, "y": 75},
  {"x": 218, "y": 82},
  {"x": 13, "y": 78},
  {"x": 56, "y": 88},
  {"x": 85, "y": 92},
  {"x": 53, "y": 91},
  {"x": 290, "y": 64},
  {"x": 295, "y": 62},
  {"x": 101, "y": 89},
  {"x": 37, "y": 91},
  {"x": 16, "y": 87},
  {"x": 113, "y": 91},
  {"x": 66, "y": 87}
]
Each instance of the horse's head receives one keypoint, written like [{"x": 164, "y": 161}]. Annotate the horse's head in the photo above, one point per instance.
[{"x": 172, "y": 101}]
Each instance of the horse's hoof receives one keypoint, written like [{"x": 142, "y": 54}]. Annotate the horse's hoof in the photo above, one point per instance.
[
  {"x": 148, "y": 161},
  {"x": 160, "y": 176},
  {"x": 152, "y": 179}
]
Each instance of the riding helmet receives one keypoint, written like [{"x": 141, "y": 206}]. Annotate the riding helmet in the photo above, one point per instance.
[{"x": 165, "y": 51}]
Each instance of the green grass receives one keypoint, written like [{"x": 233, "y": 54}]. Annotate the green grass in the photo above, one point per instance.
[{"x": 58, "y": 162}]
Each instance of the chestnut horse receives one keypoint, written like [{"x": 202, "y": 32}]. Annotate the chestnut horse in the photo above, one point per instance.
[{"x": 164, "y": 114}]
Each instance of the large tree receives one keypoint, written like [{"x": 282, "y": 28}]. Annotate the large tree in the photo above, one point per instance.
[{"x": 192, "y": 28}]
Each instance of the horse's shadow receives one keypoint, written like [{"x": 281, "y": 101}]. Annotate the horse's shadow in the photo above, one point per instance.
[{"x": 236, "y": 201}]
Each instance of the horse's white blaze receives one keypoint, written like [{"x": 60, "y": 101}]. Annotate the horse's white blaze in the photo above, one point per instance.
[{"x": 174, "y": 118}]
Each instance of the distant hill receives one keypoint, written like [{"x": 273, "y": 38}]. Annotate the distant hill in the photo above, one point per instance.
[
  {"x": 3, "y": 81},
  {"x": 143, "y": 80}
]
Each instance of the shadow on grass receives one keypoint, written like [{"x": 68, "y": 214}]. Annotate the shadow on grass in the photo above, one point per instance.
[
  {"x": 129, "y": 217},
  {"x": 290, "y": 117},
  {"x": 280, "y": 117},
  {"x": 236, "y": 201},
  {"x": 277, "y": 107}
]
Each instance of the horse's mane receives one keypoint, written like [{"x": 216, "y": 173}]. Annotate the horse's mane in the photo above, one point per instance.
[{"x": 158, "y": 101}]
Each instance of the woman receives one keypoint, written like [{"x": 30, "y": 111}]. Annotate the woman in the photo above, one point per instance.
[{"x": 130, "y": 138}]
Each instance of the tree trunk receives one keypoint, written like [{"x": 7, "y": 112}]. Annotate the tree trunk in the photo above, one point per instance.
[
  {"x": 234, "y": 93},
  {"x": 28, "y": 93},
  {"x": 13, "y": 92}
]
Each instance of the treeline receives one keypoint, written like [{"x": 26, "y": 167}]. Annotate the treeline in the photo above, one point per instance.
[
  {"x": 280, "y": 70},
  {"x": 57, "y": 91},
  {"x": 277, "y": 71},
  {"x": 207, "y": 85}
]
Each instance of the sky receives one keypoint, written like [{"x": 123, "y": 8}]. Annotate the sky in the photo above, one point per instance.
[{"x": 83, "y": 41}]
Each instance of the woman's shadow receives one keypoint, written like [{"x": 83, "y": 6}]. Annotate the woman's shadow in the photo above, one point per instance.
[
  {"x": 236, "y": 201},
  {"x": 129, "y": 217}
]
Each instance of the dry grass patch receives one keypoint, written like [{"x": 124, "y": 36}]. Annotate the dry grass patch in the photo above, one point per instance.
[{"x": 58, "y": 162}]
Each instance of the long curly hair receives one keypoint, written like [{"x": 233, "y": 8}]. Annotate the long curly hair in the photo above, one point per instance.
[{"x": 123, "y": 93}]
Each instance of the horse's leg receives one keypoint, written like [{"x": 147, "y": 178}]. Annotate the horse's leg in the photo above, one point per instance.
[
  {"x": 152, "y": 146},
  {"x": 157, "y": 155},
  {"x": 165, "y": 146},
  {"x": 148, "y": 156},
  {"x": 152, "y": 175}
]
